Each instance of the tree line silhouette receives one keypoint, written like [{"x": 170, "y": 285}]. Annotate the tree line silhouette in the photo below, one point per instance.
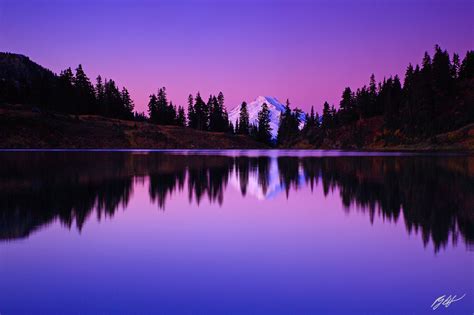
[
  {"x": 40, "y": 187},
  {"x": 24, "y": 82},
  {"x": 434, "y": 98}
]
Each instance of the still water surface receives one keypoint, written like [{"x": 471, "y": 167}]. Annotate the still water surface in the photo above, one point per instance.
[{"x": 235, "y": 232}]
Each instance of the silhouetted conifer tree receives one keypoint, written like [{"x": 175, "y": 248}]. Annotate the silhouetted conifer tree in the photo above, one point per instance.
[
  {"x": 264, "y": 130},
  {"x": 327, "y": 122},
  {"x": 201, "y": 112},
  {"x": 100, "y": 96},
  {"x": 163, "y": 111},
  {"x": 466, "y": 70},
  {"x": 218, "y": 118},
  {"x": 372, "y": 109},
  {"x": 244, "y": 125},
  {"x": 85, "y": 96},
  {"x": 181, "y": 117},
  {"x": 66, "y": 91},
  {"x": 347, "y": 107},
  {"x": 192, "y": 119},
  {"x": 127, "y": 104},
  {"x": 288, "y": 128},
  {"x": 152, "y": 109},
  {"x": 113, "y": 99}
]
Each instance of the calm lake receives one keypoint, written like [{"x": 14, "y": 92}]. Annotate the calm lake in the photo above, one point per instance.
[{"x": 235, "y": 232}]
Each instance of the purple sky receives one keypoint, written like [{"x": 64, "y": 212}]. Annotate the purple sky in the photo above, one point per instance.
[{"x": 307, "y": 51}]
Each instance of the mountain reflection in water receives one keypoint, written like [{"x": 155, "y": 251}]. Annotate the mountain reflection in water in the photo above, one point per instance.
[{"x": 434, "y": 193}]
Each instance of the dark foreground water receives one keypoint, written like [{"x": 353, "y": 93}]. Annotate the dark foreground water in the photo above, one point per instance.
[{"x": 225, "y": 232}]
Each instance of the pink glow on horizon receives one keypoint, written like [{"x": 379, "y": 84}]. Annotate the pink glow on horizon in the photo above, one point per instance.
[{"x": 307, "y": 51}]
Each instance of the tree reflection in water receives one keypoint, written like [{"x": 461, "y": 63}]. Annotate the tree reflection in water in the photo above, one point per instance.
[{"x": 434, "y": 193}]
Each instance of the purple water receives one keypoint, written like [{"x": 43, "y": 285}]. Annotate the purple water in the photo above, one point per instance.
[{"x": 232, "y": 233}]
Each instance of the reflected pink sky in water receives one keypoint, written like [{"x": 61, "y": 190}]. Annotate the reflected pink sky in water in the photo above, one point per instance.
[
  {"x": 303, "y": 254},
  {"x": 307, "y": 51}
]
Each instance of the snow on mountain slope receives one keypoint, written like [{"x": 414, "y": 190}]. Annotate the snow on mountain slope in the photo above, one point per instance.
[{"x": 275, "y": 107}]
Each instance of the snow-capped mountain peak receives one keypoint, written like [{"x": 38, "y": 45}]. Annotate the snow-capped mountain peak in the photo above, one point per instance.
[{"x": 275, "y": 107}]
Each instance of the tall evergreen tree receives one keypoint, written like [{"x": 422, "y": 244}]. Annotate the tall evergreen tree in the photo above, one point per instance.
[
  {"x": 264, "y": 130},
  {"x": 100, "y": 96},
  {"x": 181, "y": 117},
  {"x": 244, "y": 124},
  {"x": 171, "y": 114},
  {"x": 202, "y": 113},
  {"x": 192, "y": 119},
  {"x": 152, "y": 109},
  {"x": 113, "y": 99},
  {"x": 442, "y": 79},
  {"x": 85, "y": 96},
  {"x": 408, "y": 99},
  {"x": 391, "y": 94},
  {"x": 466, "y": 70},
  {"x": 66, "y": 93},
  {"x": 224, "y": 119},
  {"x": 465, "y": 112},
  {"x": 312, "y": 123},
  {"x": 312, "y": 119},
  {"x": 362, "y": 103},
  {"x": 347, "y": 99},
  {"x": 218, "y": 118},
  {"x": 426, "y": 109},
  {"x": 163, "y": 112},
  {"x": 347, "y": 107},
  {"x": 220, "y": 100},
  {"x": 372, "y": 104},
  {"x": 288, "y": 128},
  {"x": 327, "y": 122},
  {"x": 128, "y": 104},
  {"x": 214, "y": 113}
]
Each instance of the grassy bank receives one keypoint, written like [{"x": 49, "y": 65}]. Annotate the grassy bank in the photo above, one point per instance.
[
  {"x": 22, "y": 127},
  {"x": 25, "y": 128}
]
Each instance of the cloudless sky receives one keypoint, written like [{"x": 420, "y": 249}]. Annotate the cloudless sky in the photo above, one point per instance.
[{"x": 307, "y": 51}]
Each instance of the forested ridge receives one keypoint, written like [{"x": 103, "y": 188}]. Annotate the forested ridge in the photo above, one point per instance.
[{"x": 435, "y": 97}]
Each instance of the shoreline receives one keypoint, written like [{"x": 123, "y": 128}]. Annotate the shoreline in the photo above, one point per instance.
[
  {"x": 25, "y": 130},
  {"x": 325, "y": 152}
]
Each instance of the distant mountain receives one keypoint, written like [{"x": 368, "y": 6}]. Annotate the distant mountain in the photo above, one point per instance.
[{"x": 275, "y": 107}]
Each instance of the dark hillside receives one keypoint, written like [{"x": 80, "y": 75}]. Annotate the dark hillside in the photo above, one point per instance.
[
  {"x": 22, "y": 127},
  {"x": 24, "y": 81}
]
